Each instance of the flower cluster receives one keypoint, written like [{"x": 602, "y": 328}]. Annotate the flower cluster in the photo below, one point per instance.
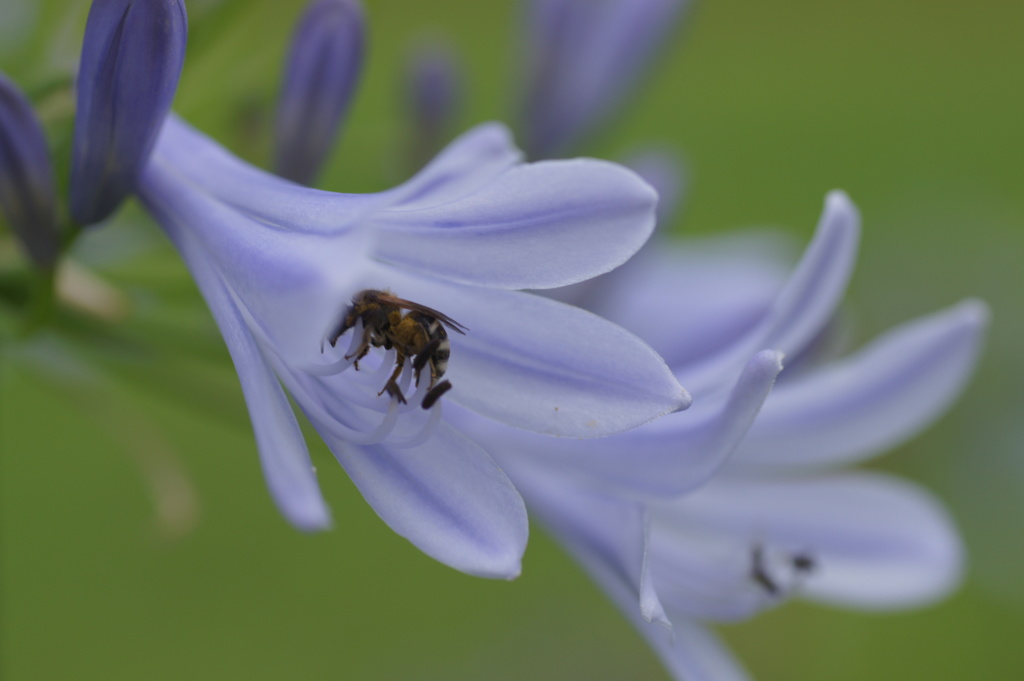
[
  {"x": 279, "y": 264},
  {"x": 475, "y": 337},
  {"x": 735, "y": 505},
  {"x": 287, "y": 272}
]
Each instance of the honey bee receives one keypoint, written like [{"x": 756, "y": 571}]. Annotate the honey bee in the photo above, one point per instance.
[{"x": 418, "y": 334}]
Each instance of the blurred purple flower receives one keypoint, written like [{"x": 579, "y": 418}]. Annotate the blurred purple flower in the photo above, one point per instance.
[
  {"x": 323, "y": 70},
  {"x": 663, "y": 170},
  {"x": 582, "y": 57},
  {"x": 732, "y": 508},
  {"x": 27, "y": 195},
  {"x": 434, "y": 91},
  {"x": 132, "y": 56},
  {"x": 278, "y": 264}
]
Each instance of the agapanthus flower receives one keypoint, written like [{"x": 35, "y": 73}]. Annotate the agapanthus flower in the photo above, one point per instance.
[
  {"x": 732, "y": 507},
  {"x": 132, "y": 57},
  {"x": 279, "y": 265},
  {"x": 582, "y": 57},
  {"x": 27, "y": 194},
  {"x": 324, "y": 64}
]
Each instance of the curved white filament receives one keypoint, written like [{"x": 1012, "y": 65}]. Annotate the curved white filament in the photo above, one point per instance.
[{"x": 429, "y": 425}]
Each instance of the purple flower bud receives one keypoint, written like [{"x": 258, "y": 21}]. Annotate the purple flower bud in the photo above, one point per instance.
[
  {"x": 26, "y": 176},
  {"x": 434, "y": 93},
  {"x": 131, "y": 60},
  {"x": 582, "y": 59},
  {"x": 323, "y": 69}
]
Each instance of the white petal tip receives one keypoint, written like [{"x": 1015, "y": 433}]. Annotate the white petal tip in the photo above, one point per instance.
[
  {"x": 838, "y": 197},
  {"x": 840, "y": 212},
  {"x": 973, "y": 313},
  {"x": 499, "y": 131},
  {"x": 508, "y": 571},
  {"x": 658, "y": 618},
  {"x": 766, "y": 363},
  {"x": 311, "y": 521},
  {"x": 683, "y": 401}
]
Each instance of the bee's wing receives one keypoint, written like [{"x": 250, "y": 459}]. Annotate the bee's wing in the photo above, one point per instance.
[
  {"x": 410, "y": 305},
  {"x": 445, "y": 319}
]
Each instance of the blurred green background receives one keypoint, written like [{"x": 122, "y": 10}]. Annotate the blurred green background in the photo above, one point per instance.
[{"x": 914, "y": 107}]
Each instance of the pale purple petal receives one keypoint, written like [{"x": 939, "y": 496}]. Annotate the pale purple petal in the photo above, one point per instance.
[
  {"x": 671, "y": 456},
  {"x": 537, "y": 364},
  {"x": 255, "y": 192},
  {"x": 605, "y": 533},
  {"x": 473, "y": 160},
  {"x": 694, "y": 653},
  {"x": 875, "y": 541},
  {"x": 665, "y": 174},
  {"x": 446, "y": 496},
  {"x": 692, "y": 298},
  {"x": 300, "y": 282},
  {"x": 702, "y": 571},
  {"x": 608, "y": 536},
  {"x": 538, "y": 225},
  {"x": 470, "y": 216},
  {"x": 804, "y": 305},
  {"x": 283, "y": 454},
  {"x": 470, "y": 162},
  {"x": 873, "y": 400},
  {"x": 819, "y": 282}
]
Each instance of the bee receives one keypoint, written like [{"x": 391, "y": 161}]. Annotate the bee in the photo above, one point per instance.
[{"x": 418, "y": 334}]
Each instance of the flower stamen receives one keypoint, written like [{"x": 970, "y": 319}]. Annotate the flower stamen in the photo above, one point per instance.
[
  {"x": 361, "y": 437},
  {"x": 347, "y": 360},
  {"x": 429, "y": 425},
  {"x": 798, "y": 566}
]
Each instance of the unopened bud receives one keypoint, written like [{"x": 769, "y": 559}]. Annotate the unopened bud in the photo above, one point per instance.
[
  {"x": 131, "y": 60},
  {"x": 323, "y": 68},
  {"x": 27, "y": 194}
]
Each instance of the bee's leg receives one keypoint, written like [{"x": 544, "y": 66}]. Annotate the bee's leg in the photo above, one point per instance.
[
  {"x": 333, "y": 337},
  {"x": 395, "y": 392},
  {"x": 364, "y": 347},
  {"x": 347, "y": 321},
  {"x": 434, "y": 394},
  {"x": 355, "y": 363},
  {"x": 391, "y": 387},
  {"x": 423, "y": 358}
]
